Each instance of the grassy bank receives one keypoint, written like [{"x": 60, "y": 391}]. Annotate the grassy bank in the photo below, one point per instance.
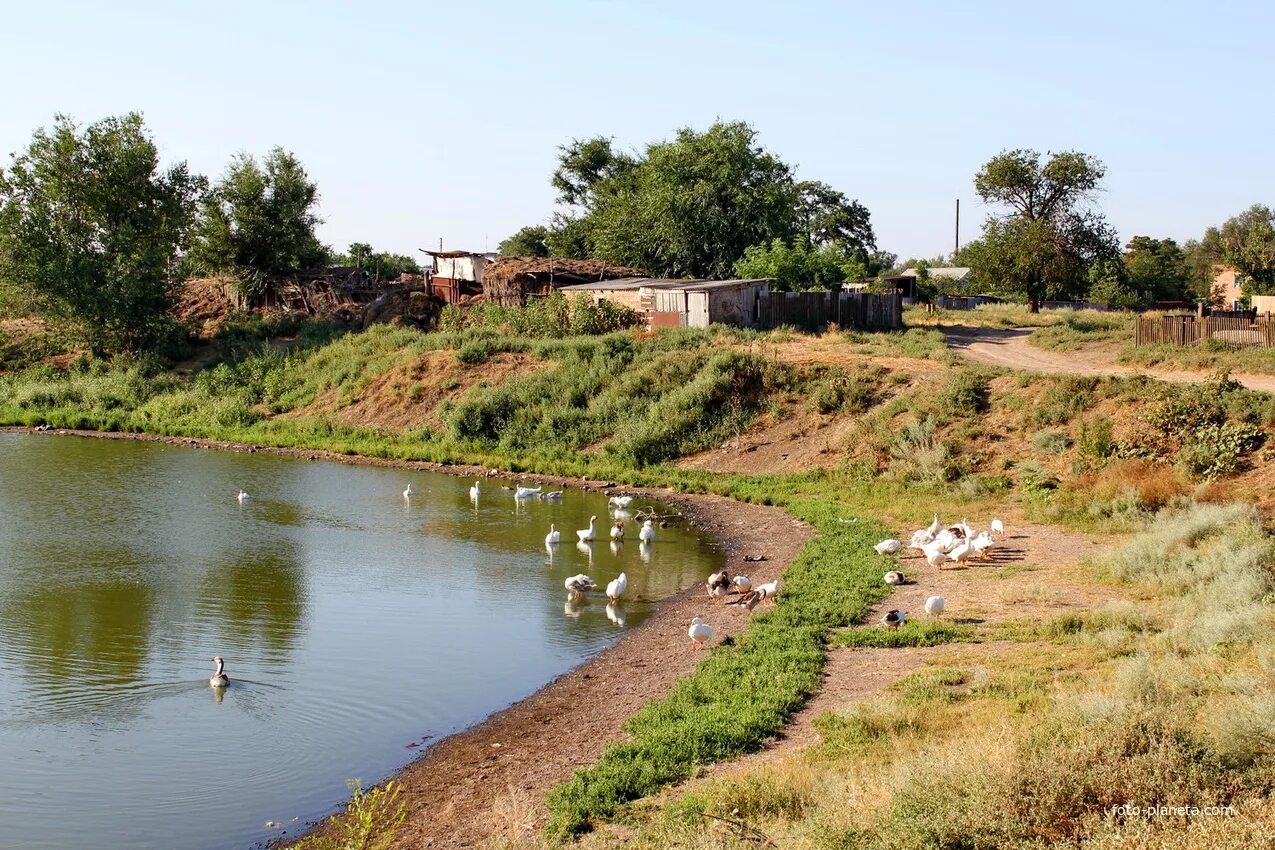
[{"x": 1159, "y": 702}]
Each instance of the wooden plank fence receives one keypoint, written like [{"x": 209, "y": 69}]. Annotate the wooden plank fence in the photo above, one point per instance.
[
  {"x": 813, "y": 310},
  {"x": 1240, "y": 332}
]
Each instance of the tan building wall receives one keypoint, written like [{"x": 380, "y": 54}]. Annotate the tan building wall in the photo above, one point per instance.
[
  {"x": 1263, "y": 304},
  {"x": 1226, "y": 286},
  {"x": 630, "y": 298}
]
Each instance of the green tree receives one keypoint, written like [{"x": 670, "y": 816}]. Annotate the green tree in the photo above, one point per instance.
[
  {"x": 91, "y": 228},
  {"x": 530, "y": 241},
  {"x": 258, "y": 223},
  {"x": 798, "y": 265},
  {"x": 382, "y": 265},
  {"x": 1156, "y": 270},
  {"x": 693, "y": 205},
  {"x": 1109, "y": 282},
  {"x": 1202, "y": 258},
  {"x": 1248, "y": 244},
  {"x": 1044, "y": 242}
]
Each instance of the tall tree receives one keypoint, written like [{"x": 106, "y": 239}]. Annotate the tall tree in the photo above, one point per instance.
[
  {"x": 1202, "y": 258},
  {"x": 1156, "y": 270},
  {"x": 691, "y": 206},
  {"x": 258, "y": 223},
  {"x": 382, "y": 264},
  {"x": 92, "y": 228},
  {"x": 1043, "y": 243},
  {"x": 529, "y": 241},
  {"x": 1248, "y": 243}
]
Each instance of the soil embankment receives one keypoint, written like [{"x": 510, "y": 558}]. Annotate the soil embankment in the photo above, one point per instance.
[
  {"x": 491, "y": 780},
  {"x": 1009, "y": 348}
]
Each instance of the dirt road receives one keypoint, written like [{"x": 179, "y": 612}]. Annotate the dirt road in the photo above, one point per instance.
[{"x": 1009, "y": 348}]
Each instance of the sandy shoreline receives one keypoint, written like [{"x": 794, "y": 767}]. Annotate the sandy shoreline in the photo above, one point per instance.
[{"x": 490, "y": 780}]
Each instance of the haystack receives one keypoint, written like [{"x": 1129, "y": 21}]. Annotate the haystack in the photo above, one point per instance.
[{"x": 509, "y": 281}]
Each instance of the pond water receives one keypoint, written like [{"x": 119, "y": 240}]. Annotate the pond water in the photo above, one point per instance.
[{"x": 354, "y": 623}]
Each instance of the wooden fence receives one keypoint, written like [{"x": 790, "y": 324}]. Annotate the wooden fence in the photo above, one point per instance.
[
  {"x": 813, "y": 310},
  {"x": 1191, "y": 330}
]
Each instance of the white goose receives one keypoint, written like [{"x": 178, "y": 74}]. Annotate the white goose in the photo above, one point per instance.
[
  {"x": 408, "y": 493},
  {"x": 699, "y": 633},
  {"x": 616, "y": 587},
  {"x": 894, "y": 577},
  {"x": 585, "y": 535},
  {"x": 888, "y": 547},
  {"x": 998, "y": 527},
  {"x": 647, "y": 533},
  {"x": 718, "y": 585},
  {"x": 243, "y": 496},
  {"x": 935, "y": 554},
  {"x": 219, "y": 679},
  {"x": 475, "y": 491},
  {"x": 982, "y": 544},
  {"x": 962, "y": 552},
  {"x": 526, "y": 492},
  {"x": 553, "y": 495},
  {"x": 620, "y": 502},
  {"x": 617, "y": 531},
  {"x": 935, "y": 527},
  {"x": 554, "y": 536},
  {"x": 742, "y": 583},
  {"x": 579, "y": 584},
  {"x": 935, "y": 605},
  {"x": 757, "y": 595},
  {"x": 894, "y": 619}
]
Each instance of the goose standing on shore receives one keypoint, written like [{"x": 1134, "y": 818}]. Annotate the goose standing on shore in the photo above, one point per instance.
[
  {"x": 998, "y": 527},
  {"x": 699, "y": 633},
  {"x": 895, "y": 577},
  {"x": 935, "y": 605},
  {"x": 647, "y": 534},
  {"x": 894, "y": 619},
  {"x": 743, "y": 584},
  {"x": 888, "y": 547},
  {"x": 585, "y": 535},
  {"x": 554, "y": 536},
  {"x": 219, "y": 679},
  {"x": 718, "y": 584}
]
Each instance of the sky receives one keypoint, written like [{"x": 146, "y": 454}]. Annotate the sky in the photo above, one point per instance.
[{"x": 428, "y": 121}]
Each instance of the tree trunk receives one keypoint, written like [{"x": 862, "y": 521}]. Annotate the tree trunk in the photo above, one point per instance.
[{"x": 1033, "y": 305}]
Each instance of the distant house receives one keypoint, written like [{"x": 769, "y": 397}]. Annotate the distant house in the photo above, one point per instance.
[
  {"x": 457, "y": 274},
  {"x": 1227, "y": 287},
  {"x": 673, "y": 303},
  {"x": 905, "y": 281}
]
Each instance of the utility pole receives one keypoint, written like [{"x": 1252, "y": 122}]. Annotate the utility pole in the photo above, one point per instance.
[{"x": 957, "y": 250}]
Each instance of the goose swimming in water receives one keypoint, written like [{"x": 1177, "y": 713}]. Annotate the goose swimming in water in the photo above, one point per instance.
[
  {"x": 617, "y": 531},
  {"x": 243, "y": 497},
  {"x": 219, "y": 679},
  {"x": 475, "y": 491},
  {"x": 526, "y": 492},
  {"x": 699, "y": 633},
  {"x": 551, "y": 496},
  {"x": 579, "y": 584},
  {"x": 620, "y": 502},
  {"x": 586, "y": 534},
  {"x": 409, "y": 492},
  {"x": 647, "y": 534},
  {"x": 553, "y": 536}
]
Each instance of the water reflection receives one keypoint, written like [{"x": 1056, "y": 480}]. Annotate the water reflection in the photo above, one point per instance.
[{"x": 257, "y": 600}]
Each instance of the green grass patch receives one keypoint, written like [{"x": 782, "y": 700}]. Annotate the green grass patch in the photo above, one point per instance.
[{"x": 911, "y": 633}]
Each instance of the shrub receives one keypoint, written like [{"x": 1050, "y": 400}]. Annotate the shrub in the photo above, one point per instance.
[
  {"x": 920, "y": 456},
  {"x": 1216, "y": 450},
  {"x": 965, "y": 394},
  {"x": 1050, "y": 441},
  {"x": 1094, "y": 438},
  {"x": 371, "y": 821},
  {"x": 838, "y": 392}
]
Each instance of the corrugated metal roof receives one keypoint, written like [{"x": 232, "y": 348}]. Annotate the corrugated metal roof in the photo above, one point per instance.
[
  {"x": 948, "y": 272},
  {"x": 626, "y": 283}
]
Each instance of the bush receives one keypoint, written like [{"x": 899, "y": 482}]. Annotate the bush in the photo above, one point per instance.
[
  {"x": 1050, "y": 441},
  {"x": 1216, "y": 450},
  {"x": 838, "y": 392},
  {"x": 964, "y": 395}
]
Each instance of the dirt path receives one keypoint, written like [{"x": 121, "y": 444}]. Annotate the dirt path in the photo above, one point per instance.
[
  {"x": 1035, "y": 575},
  {"x": 1009, "y": 348}
]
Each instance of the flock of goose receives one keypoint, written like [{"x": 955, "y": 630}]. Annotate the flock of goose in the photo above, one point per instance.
[{"x": 939, "y": 545}]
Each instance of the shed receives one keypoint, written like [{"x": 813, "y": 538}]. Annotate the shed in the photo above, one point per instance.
[
  {"x": 457, "y": 273},
  {"x": 509, "y": 281},
  {"x": 700, "y": 303}
]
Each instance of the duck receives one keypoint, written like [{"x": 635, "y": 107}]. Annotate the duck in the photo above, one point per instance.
[
  {"x": 620, "y": 502},
  {"x": 586, "y": 534},
  {"x": 617, "y": 531},
  {"x": 243, "y": 496},
  {"x": 647, "y": 533},
  {"x": 219, "y": 679},
  {"x": 947, "y": 539},
  {"x": 935, "y": 526},
  {"x": 408, "y": 493},
  {"x": 616, "y": 587},
  {"x": 743, "y": 584},
  {"x": 982, "y": 544},
  {"x": 935, "y": 605},
  {"x": 475, "y": 490},
  {"x": 757, "y": 595},
  {"x": 935, "y": 554},
  {"x": 888, "y": 546},
  {"x": 551, "y": 495},
  {"x": 526, "y": 492},
  {"x": 895, "y": 577},
  {"x": 893, "y": 619},
  {"x": 554, "y": 536},
  {"x": 962, "y": 553},
  {"x": 718, "y": 584},
  {"x": 998, "y": 527},
  {"x": 579, "y": 584},
  {"x": 699, "y": 632}
]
